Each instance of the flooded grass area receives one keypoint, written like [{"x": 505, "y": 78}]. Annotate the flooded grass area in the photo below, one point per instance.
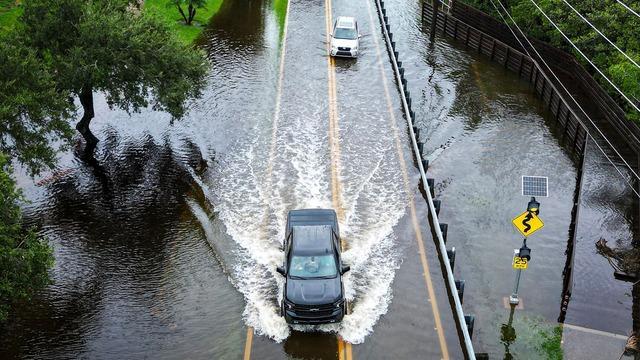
[{"x": 171, "y": 16}]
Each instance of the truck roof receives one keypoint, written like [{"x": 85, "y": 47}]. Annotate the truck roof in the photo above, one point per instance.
[
  {"x": 312, "y": 217},
  {"x": 312, "y": 240}
]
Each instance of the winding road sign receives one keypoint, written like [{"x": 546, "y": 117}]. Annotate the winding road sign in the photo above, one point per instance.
[{"x": 527, "y": 223}]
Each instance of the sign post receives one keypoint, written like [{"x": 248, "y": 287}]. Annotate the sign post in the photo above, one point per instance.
[{"x": 527, "y": 223}]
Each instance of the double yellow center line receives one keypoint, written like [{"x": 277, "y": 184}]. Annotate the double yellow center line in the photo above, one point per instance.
[
  {"x": 334, "y": 134},
  {"x": 344, "y": 348}
]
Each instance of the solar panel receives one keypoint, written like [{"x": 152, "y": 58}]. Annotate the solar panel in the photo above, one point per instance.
[{"x": 535, "y": 186}]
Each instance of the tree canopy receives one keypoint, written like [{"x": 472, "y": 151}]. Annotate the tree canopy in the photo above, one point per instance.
[
  {"x": 617, "y": 23},
  {"x": 33, "y": 113},
  {"x": 133, "y": 58},
  {"x": 25, "y": 258}
]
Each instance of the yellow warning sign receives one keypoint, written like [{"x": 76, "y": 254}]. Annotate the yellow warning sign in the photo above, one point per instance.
[
  {"x": 520, "y": 263},
  {"x": 527, "y": 223}
]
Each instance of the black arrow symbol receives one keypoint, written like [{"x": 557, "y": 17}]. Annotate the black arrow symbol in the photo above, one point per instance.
[{"x": 525, "y": 222}]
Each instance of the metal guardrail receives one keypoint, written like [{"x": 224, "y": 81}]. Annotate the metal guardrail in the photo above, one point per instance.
[{"x": 450, "y": 280}]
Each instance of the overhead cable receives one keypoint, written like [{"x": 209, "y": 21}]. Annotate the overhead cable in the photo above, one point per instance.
[
  {"x": 571, "y": 96},
  {"x": 628, "y": 8},
  {"x": 601, "y": 34},
  {"x": 585, "y": 56},
  {"x": 560, "y": 82}
]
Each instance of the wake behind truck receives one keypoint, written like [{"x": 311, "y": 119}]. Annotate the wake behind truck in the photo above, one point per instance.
[{"x": 313, "y": 269}]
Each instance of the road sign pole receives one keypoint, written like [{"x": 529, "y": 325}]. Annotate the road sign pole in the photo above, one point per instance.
[{"x": 513, "y": 299}]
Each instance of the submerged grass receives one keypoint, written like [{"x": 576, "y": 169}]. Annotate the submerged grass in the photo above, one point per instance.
[
  {"x": 551, "y": 346},
  {"x": 532, "y": 338},
  {"x": 186, "y": 33}
]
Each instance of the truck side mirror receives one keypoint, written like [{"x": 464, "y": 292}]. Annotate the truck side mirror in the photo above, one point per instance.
[
  {"x": 281, "y": 271},
  {"x": 344, "y": 269}
]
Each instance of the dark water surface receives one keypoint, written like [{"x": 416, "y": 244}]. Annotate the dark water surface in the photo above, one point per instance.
[{"x": 157, "y": 258}]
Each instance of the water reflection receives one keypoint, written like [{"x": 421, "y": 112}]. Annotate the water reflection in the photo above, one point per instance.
[
  {"x": 304, "y": 345},
  {"x": 110, "y": 236}
]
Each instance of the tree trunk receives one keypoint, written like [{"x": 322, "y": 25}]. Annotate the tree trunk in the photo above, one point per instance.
[
  {"x": 192, "y": 13},
  {"x": 186, "y": 21},
  {"x": 86, "y": 99}
]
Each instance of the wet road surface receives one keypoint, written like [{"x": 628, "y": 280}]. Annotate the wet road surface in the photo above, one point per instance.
[{"x": 154, "y": 258}]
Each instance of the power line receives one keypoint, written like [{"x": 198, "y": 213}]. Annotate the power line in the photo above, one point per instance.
[
  {"x": 628, "y": 8},
  {"x": 601, "y": 34},
  {"x": 585, "y": 56},
  {"x": 571, "y": 96}
]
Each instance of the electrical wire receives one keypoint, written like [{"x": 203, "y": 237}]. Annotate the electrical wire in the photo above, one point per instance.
[
  {"x": 601, "y": 34},
  {"x": 571, "y": 96},
  {"x": 585, "y": 56},
  {"x": 560, "y": 82},
  {"x": 628, "y": 8}
]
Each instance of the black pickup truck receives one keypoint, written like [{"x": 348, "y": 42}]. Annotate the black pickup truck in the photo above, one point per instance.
[{"x": 314, "y": 293}]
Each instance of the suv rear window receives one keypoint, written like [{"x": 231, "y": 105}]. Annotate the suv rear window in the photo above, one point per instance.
[{"x": 309, "y": 267}]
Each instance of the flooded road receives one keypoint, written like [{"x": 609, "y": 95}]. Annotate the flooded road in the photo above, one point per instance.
[{"x": 157, "y": 257}]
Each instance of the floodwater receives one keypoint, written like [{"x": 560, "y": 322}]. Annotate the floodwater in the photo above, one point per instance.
[{"x": 157, "y": 257}]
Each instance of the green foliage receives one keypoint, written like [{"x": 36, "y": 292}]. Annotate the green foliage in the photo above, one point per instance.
[
  {"x": 32, "y": 112},
  {"x": 101, "y": 46},
  {"x": 551, "y": 345},
  {"x": 280, "y": 9},
  {"x": 172, "y": 18},
  {"x": 25, "y": 258},
  {"x": 9, "y": 13},
  {"x": 613, "y": 20}
]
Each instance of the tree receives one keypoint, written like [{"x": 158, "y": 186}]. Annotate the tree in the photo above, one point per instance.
[
  {"x": 99, "y": 45},
  {"x": 33, "y": 113},
  {"x": 616, "y": 22},
  {"x": 25, "y": 258},
  {"x": 192, "y": 5}
]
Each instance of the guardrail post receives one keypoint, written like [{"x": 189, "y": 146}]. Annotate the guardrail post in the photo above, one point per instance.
[
  {"x": 443, "y": 228},
  {"x": 431, "y": 184},
  {"x": 470, "y": 320},
  {"x": 452, "y": 258},
  {"x": 425, "y": 164},
  {"x": 460, "y": 288},
  {"x": 436, "y": 205}
]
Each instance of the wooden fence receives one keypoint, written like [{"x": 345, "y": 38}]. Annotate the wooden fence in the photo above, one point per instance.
[{"x": 518, "y": 62}]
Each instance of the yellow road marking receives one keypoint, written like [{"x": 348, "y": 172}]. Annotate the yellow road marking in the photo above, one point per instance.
[
  {"x": 272, "y": 154},
  {"x": 248, "y": 343},
  {"x": 344, "y": 348},
  {"x": 334, "y": 136},
  {"x": 414, "y": 217}
]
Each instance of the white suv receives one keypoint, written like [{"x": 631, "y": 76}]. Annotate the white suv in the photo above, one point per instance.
[{"x": 345, "y": 38}]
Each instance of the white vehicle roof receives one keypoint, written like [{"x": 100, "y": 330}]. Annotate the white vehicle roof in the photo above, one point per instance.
[{"x": 346, "y": 22}]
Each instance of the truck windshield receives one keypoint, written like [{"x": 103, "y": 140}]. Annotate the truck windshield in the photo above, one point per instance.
[
  {"x": 309, "y": 267},
  {"x": 346, "y": 33}
]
